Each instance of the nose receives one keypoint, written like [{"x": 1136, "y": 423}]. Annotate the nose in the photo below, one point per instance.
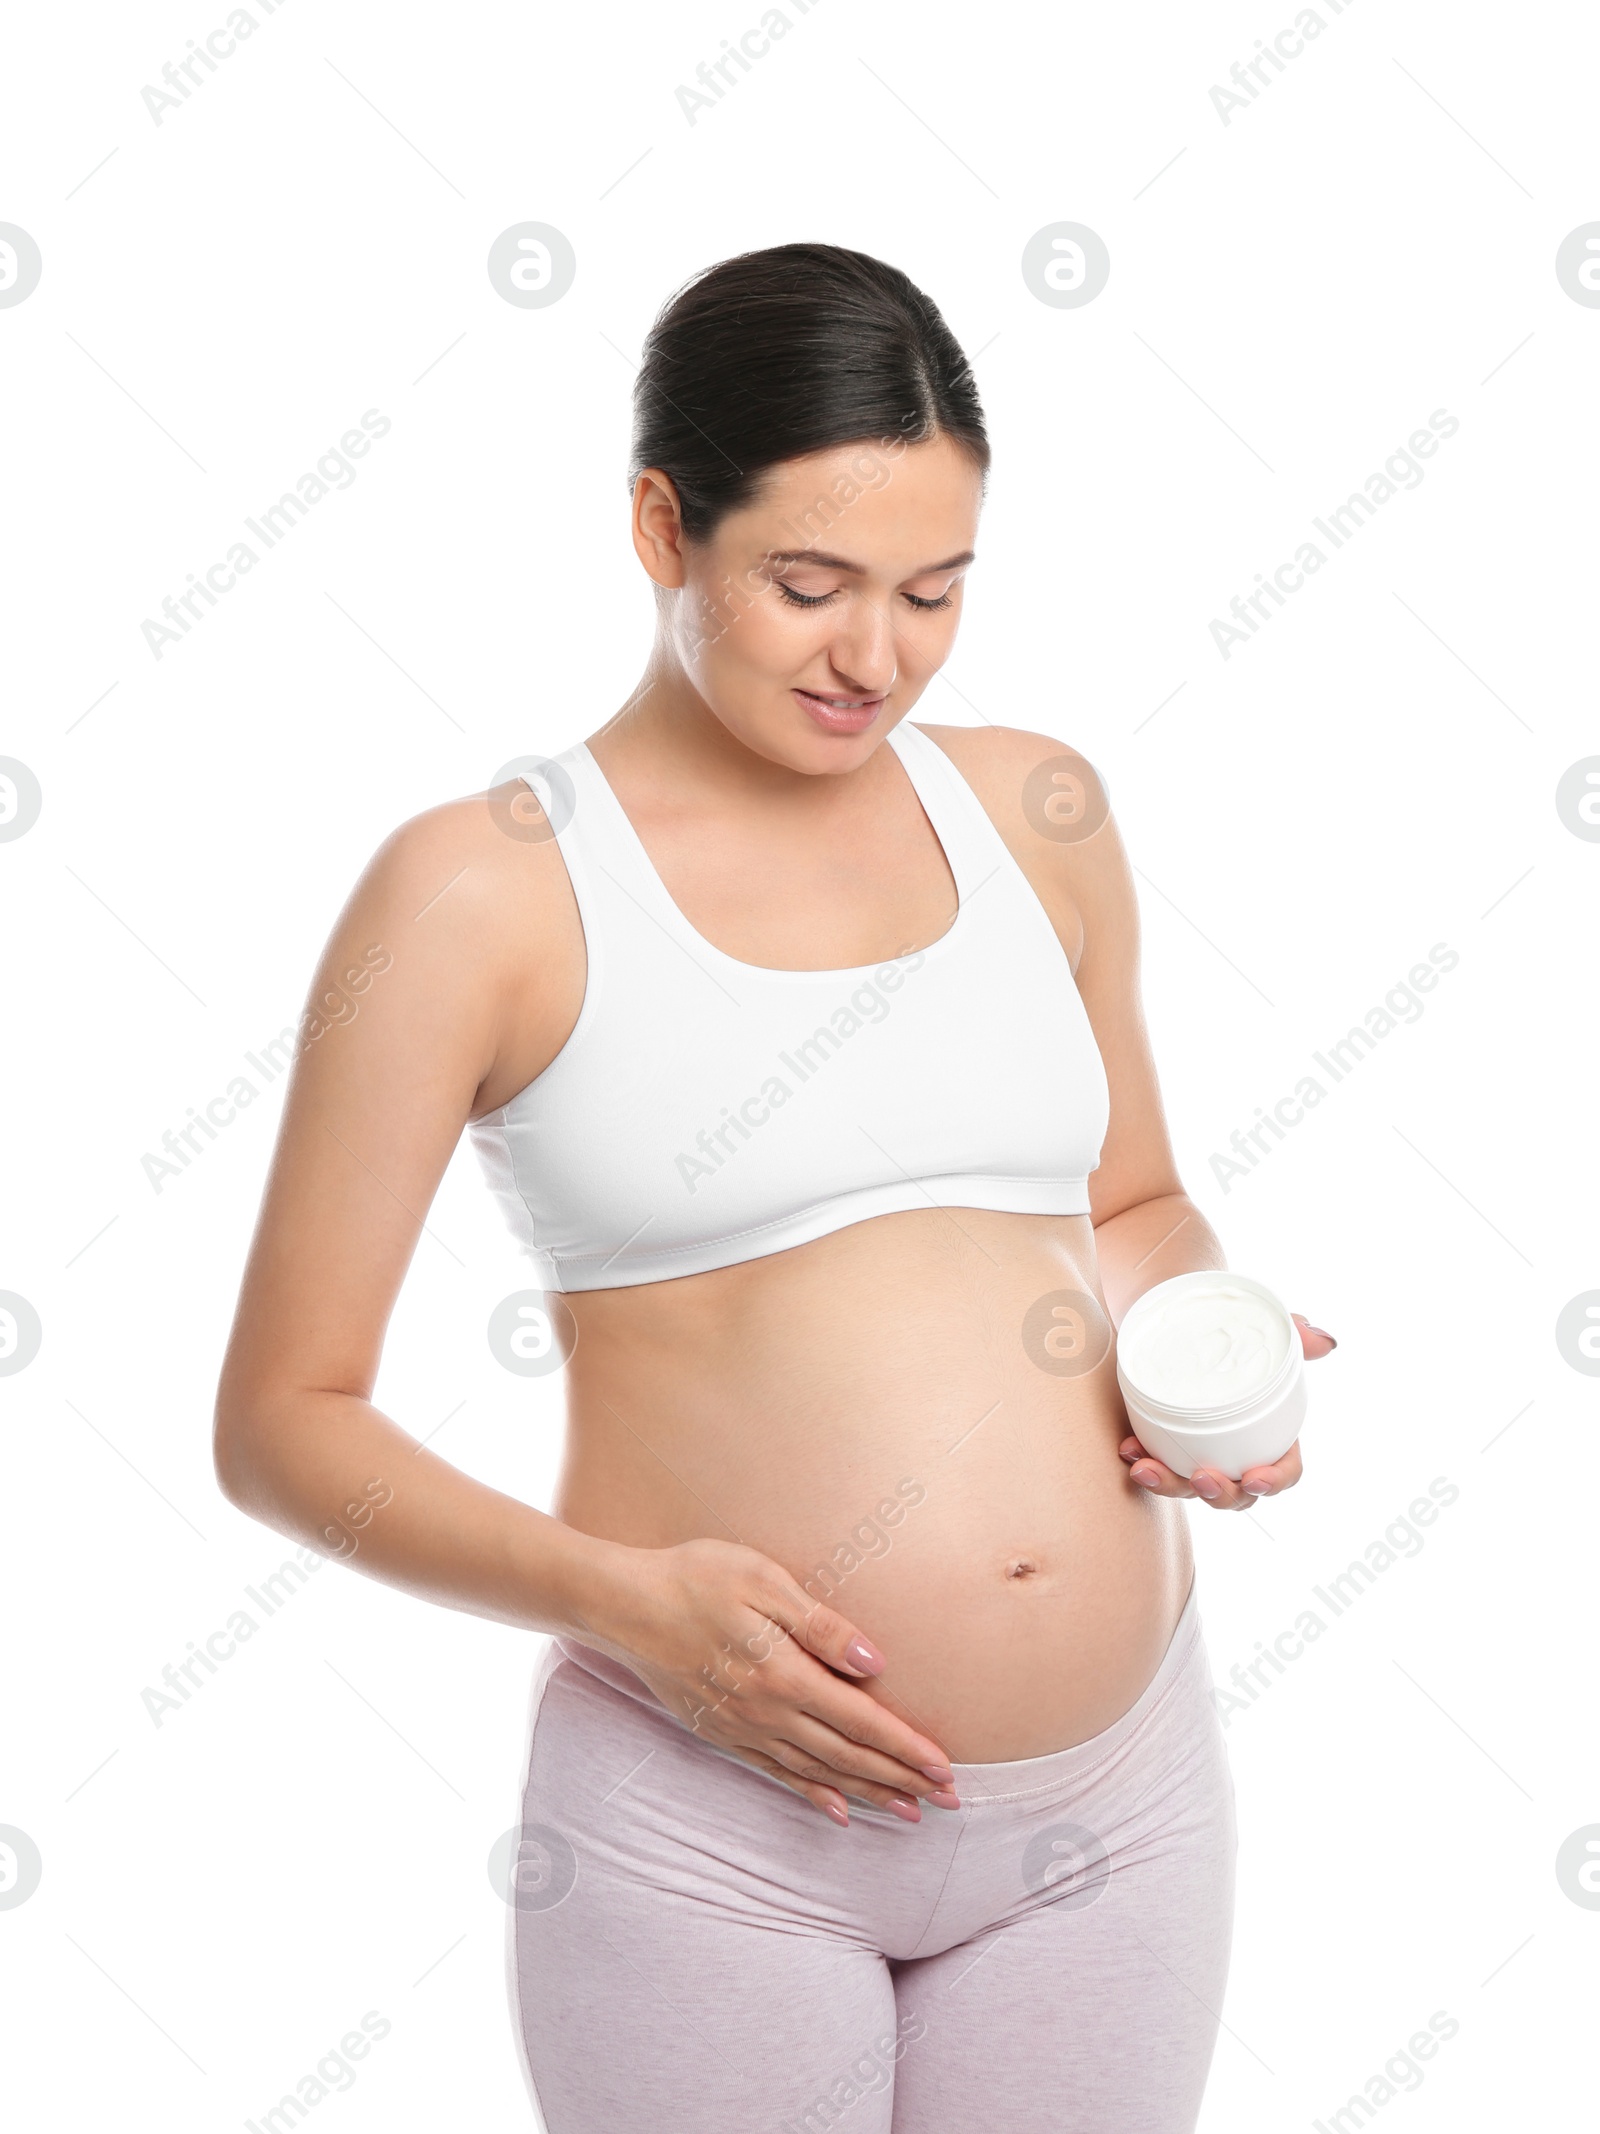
[{"x": 862, "y": 652}]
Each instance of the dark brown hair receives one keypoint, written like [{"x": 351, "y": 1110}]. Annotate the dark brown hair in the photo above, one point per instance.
[{"x": 795, "y": 349}]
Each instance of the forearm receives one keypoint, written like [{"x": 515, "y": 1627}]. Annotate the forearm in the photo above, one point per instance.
[
  {"x": 334, "y": 1473},
  {"x": 1149, "y": 1243}
]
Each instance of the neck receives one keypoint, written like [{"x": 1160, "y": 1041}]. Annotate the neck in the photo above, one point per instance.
[{"x": 666, "y": 738}]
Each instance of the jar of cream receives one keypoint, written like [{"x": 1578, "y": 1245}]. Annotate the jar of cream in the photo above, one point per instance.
[{"x": 1212, "y": 1372}]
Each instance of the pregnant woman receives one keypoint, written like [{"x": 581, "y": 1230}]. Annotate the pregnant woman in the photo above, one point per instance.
[{"x": 873, "y": 1777}]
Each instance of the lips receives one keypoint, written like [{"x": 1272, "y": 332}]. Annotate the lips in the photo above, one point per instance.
[{"x": 839, "y": 714}]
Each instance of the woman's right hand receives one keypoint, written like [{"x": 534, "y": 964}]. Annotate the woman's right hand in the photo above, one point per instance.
[{"x": 742, "y": 1655}]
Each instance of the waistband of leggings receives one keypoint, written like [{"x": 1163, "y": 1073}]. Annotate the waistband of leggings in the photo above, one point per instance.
[
  {"x": 982, "y": 1785},
  {"x": 611, "y": 1672},
  {"x": 985, "y": 1782}
]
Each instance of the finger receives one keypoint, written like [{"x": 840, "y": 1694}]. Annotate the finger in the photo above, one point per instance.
[
  {"x": 1313, "y": 1340},
  {"x": 1151, "y": 1474},
  {"x": 826, "y": 1635},
  {"x": 818, "y": 1770},
  {"x": 828, "y": 1798},
  {"x": 1268, "y": 1480},
  {"x": 786, "y": 1680},
  {"x": 860, "y": 1720},
  {"x": 822, "y": 1630},
  {"x": 855, "y": 1759},
  {"x": 1220, "y": 1491}
]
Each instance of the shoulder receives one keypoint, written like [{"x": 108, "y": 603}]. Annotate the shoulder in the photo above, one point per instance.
[
  {"x": 1045, "y": 797},
  {"x": 1008, "y": 750},
  {"x": 472, "y": 901},
  {"x": 476, "y": 890},
  {"x": 471, "y": 853}
]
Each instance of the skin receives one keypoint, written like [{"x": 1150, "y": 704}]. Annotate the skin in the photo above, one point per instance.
[{"x": 1027, "y": 1590}]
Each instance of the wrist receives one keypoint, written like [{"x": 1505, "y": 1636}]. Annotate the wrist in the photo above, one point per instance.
[{"x": 602, "y": 1600}]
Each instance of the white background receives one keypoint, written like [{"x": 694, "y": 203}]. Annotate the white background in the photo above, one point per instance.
[{"x": 1291, "y": 295}]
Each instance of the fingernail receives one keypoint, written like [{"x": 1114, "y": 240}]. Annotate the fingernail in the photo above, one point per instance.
[
  {"x": 1322, "y": 1332},
  {"x": 1147, "y": 1478},
  {"x": 839, "y": 1815},
  {"x": 944, "y": 1798},
  {"x": 1206, "y": 1487},
  {"x": 860, "y": 1654},
  {"x": 1259, "y": 1489},
  {"x": 908, "y": 1811},
  {"x": 940, "y": 1773}
]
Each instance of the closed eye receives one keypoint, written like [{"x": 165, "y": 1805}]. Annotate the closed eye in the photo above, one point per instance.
[{"x": 820, "y": 600}]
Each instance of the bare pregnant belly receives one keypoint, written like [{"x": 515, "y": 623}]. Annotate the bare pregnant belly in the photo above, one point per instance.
[{"x": 879, "y": 1412}]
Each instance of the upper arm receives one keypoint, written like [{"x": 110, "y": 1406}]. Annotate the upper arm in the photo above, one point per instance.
[
  {"x": 1083, "y": 879},
  {"x": 387, "y": 1072}
]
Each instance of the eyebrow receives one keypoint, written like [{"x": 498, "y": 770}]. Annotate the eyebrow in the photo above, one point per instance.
[{"x": 858, "y": 570}]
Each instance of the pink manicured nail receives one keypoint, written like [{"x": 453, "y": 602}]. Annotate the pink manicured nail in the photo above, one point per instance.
[
  {"x": 860, "y": 1654},
  {"x": 1206, "y": 1487},
  {"x": 839, "y": 1815},
  {"x": 944, "y": 1798},
  {"x": 941, "y": 1773},
  {"x": 1259, "y": 1489},
  {"x": 1146, "y": 1477},
  {"x": 908, "y": 1811}
]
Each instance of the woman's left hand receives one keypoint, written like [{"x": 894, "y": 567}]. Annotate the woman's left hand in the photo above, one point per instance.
[{"x": 1218, "y": 1490}]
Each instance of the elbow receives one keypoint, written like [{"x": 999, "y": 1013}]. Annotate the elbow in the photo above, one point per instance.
[
  {"x": 229, "y": 1461},
  {"x": 1154, "y": 1193},
  {"x": 235, "y": 1451}
]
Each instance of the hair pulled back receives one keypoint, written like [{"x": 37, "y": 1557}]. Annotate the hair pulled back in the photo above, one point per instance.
[{"x": 794, "y": 349}]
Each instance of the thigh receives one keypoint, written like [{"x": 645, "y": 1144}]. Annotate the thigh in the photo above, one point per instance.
[
  {"x": 665, "y": 1975},
  {"x": 1096, "y": 2013}
]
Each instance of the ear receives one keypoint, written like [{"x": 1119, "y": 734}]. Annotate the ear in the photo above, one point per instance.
[{"x": 658, "y": 528}]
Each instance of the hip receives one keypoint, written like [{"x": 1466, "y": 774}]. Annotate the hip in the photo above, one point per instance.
[{"x": 616, "y": 1788}]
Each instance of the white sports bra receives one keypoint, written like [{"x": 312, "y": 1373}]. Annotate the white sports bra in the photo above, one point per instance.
[{"x": 706, "y": 1111}]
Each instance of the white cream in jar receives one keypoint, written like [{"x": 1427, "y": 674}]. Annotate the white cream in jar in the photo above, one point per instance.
[{"x": 1210, "y": 1345}]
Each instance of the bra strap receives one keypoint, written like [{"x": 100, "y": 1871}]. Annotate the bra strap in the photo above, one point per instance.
[{"x": 972, "y": 844}]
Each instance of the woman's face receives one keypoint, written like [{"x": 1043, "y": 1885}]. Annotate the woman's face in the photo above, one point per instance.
[{"x": 812, "y": 619}]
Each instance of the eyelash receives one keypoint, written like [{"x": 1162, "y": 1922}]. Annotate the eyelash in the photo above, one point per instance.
[{"x": 820, "y": 600}]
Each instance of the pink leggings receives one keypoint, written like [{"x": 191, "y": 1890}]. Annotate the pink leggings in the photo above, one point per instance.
[{"x": 695, "y": 1950}]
